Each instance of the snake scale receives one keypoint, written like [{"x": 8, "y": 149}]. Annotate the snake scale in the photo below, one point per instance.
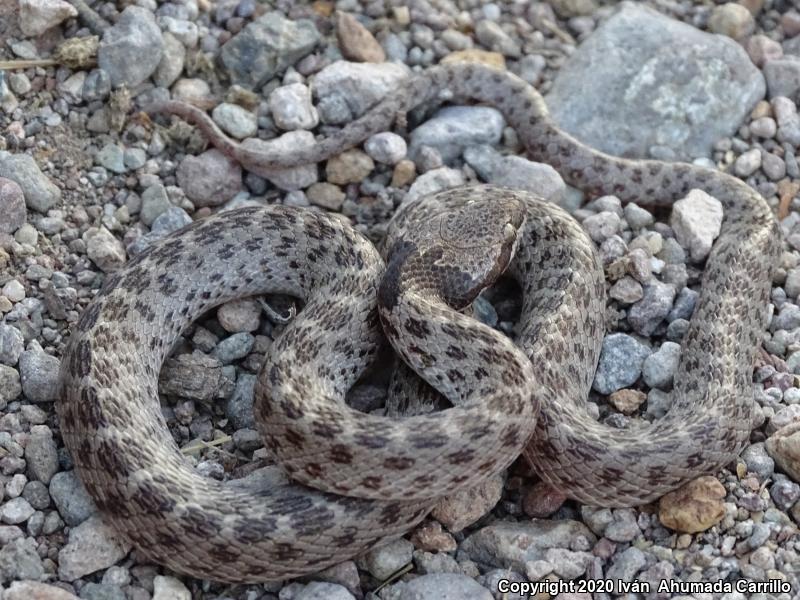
[{"x": 359, "y": 478}]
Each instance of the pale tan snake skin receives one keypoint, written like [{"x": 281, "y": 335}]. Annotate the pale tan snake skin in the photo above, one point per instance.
[{"x": 112, "y": 424}]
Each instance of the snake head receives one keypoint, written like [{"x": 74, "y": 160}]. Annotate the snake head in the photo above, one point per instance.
[{"x": 457, "y": 252}]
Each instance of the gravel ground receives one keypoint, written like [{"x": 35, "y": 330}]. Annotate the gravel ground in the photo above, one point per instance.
[{"x": 87, "y": 182}]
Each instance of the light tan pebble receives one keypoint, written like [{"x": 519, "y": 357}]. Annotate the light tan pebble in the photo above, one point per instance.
[
  {"x": 351, "y": 166},
  {"x": 475, "y": 55},
  {"x": 32, "y": 590},
  {"x": 760, "y": 110},
  {"x": 432, "y": 538},
  {"x": 402, "y": 15},
  {"x": 464, "y": 508},
  {"x": 240, "y": 315},
  {"x": 355, "y": 40},
  {"x": 733, "y": 20},
  {"x": 695, "y": 506},
  {"x": 326, "y": 195},
  {"x": 404, "y": 173},
  {"x": 627, "y": 401}
]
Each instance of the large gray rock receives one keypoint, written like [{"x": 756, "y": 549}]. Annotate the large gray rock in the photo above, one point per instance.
[
  {"x": 131, "y": 50},
  {"x": 40, "y": 193},
  {"x": 644, "y": 81},
  {"x": 266, "y": 47}
]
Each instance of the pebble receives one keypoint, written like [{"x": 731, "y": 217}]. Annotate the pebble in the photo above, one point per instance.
[
  {"x": 493, "y": 37},
  {"x": 628, "y": 401},
  {"x": 764, "y": 127},
  {"x": 195, "y": 376},
  {"x": 326, "y": 195},
  {"x": 39, "y": 375},
  {"x": 511, "y": 545},
  {"x": 41, "y": 454},
  {"x": 267, "y": 46},
  {"x": 240, "y": 315},
  {"x": 696, "y": 221},
  {"x": 71, "y": 498},
  {"x": 10, "y": 385},
  {"x": 455, "y": 128},
  {"x": 731, "y": 19},
  {"x": 355, "y": 40},
  {"x": 172, "y": 61},
  {"x": 169, "y": 588},
  {"x": 695, "y": 506},
  {"x": 13, "y": 290},
  {"x": 763, "y": 49},
  {"x": 666, "y": 114},
  {"x": 783, "y": 77},
  {"x": 19, "y": 561},
  {"x": 12, "y": 206},
  {"x": 785, "y": 493},
  {"x": 648, "y": 313},
  {"x": 458, "y": 511},
  {"x": 15, "y": 511},
  {"x": 11, "y": 344},
  {"x": 431, "y": 537},
  {"x": 438, "y": 586},
  {"x": 209, "y": 179},
  {"x": 103, "y": 249},
  {"x": 346, "y": 90},
  {"x": 291, "y": 107},
  {"x": 154, "y": 203},
  {"x": 112, "y": 157},
  {"x": 351, "y": 166},
  {"x": 40, "y": 193},
  {"x": 748, "y": 163},
  {"x": 602, "y": 225},
  {"x": 236, "y": 121},
  {"x": 186, "y": 32},
  {"x": 627, "y": 290},
  {"x": 383, "y": 561},
  {"x": 31, "y": 590},
  {"x": 37, "y": 16},
  {"x": 386, "y": 147},
  {"x": 620, "y": 365},
  {"x": 623, "y": 526},
  {"x": 637, "y": 217},
  {"x": 92, "y": 546},
  {"x": 659, "y": 368},
  {"x": 784, "y": 447},
  {"x": 626, "y": 565},
  {"x": 239, "y": 407},
  {"x": 131, "y": 49}
]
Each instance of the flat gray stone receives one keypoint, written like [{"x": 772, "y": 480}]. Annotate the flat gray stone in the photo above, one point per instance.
[
  {"x": 644, "y": 80},
  {"x": 40, "y": 193},
  {"x": 266, "y": 47},
  {"x": 131, "y": 50}
]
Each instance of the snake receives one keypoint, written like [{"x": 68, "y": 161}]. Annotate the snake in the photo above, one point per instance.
[{"x": 349, "y": 480}]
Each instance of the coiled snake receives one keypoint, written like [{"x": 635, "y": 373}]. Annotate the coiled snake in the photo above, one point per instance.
[{"x": 378, "y": 477}]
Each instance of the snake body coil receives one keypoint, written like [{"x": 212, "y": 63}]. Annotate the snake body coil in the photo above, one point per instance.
[{"x": 381, "y": 477}]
